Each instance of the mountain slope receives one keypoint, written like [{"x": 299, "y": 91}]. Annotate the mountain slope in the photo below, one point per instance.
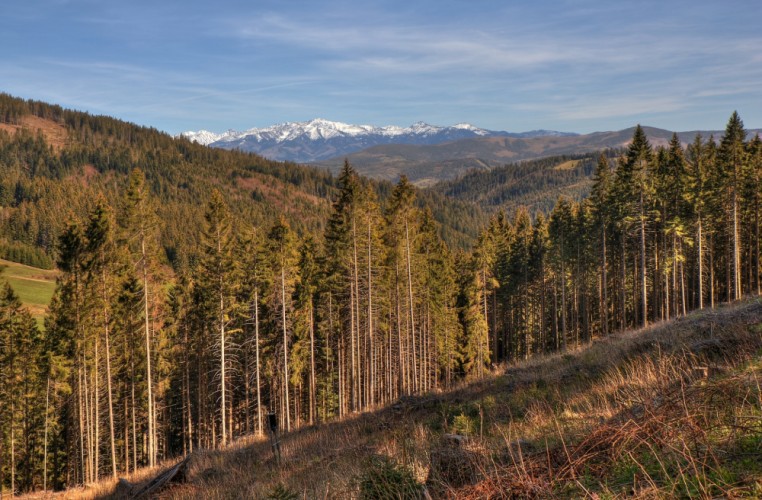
[
  {"x": 318, "y": 139},
  {"x": 428, "y": 164},
  {"x": 535, "y": 184},
  {"x": 670, "y": 411},
  {"x": 54, "y": 163}
]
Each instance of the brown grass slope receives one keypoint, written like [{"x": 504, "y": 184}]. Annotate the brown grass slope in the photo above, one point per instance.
[
  {"x": 674, "y": 410},
  {"x": 54, "y": 133}
]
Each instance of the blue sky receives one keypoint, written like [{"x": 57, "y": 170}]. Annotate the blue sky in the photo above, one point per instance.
[{"x": 565, "y": 65}]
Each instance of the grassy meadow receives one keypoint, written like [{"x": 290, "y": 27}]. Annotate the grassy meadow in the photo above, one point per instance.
[{"x": 34, "y": 286}]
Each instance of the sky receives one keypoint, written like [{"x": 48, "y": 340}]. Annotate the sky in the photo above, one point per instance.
[{"x": 576, "y": 66}]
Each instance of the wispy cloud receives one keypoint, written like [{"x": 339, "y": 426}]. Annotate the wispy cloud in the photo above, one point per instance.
[{"x": 549, "y": 63}]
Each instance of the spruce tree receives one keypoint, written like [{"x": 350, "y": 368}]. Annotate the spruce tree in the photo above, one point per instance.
[
  {"x": 634, "y": 184},
  {"x": 732, "y": 161},
  {"x": 600, "y": 197},
  {"x": 282, "y": 258},
  {"x": 217, "y": 282},
  {"x": 139, "y": 227}
]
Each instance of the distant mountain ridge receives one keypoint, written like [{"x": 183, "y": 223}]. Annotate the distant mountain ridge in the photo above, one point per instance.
[
  {"x": 425, "y": 165},
  {"x": 319, "y": 139}
]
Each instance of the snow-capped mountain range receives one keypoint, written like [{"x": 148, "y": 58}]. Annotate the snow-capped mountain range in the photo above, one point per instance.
[{"x": 319, "y": 139}]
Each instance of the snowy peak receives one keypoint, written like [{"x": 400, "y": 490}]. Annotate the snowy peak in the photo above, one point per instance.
[
  {"x": 321, "y": 139},
  {"x": 320, "y": 128},
  {"x": 202, "y": 137},
  {"x": 207, "y": 138}
]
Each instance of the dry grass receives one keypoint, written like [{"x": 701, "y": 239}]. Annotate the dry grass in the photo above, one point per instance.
[
  {"x": 676, "y": 413},
  {"x": 567, "y": 165},
  {"x": 55, "y": 134},
  {"x": 671, "y": 411}
]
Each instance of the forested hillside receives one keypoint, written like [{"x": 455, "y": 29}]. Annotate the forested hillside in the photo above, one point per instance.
[
  {"x": 534, "y": 184},
  {"x": 55, "y": 162},
  {"x": 185, "y": 313},
  {"x": 425, "y": 165}
]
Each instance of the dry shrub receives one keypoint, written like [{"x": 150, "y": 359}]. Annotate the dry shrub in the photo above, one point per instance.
[{"x": 455, "y": 462}]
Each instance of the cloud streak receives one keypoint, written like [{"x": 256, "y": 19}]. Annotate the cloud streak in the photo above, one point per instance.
[{"x": 549, "y": 64}]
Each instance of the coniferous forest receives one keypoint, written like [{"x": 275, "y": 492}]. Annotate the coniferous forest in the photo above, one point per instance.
[{"x": 189, "y": 306}]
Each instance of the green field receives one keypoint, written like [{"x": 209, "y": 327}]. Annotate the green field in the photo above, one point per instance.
[{"x": 34, "y": 286}]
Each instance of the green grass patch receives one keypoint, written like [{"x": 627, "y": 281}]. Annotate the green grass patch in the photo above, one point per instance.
[{"x": 34, "y": 286}]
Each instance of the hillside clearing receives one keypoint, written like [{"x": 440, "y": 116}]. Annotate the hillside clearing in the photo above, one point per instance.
[
  {"x": 567, "y": 165},
  {"x": 55, "y": 134},
  {"x": 34, "y": 286}
]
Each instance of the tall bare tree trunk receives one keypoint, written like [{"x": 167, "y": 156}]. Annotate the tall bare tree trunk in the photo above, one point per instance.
[
  {"x": 604, "y": 283},
  {"x": 96, "y": 415},
  {"x": 186, "y": 395},
  {"x": 256, "y": 340},
  {"x": 13, "y": 448},
  {"x": 109, "y": 389},
  {"x": 87, "y": 422},
  {"x": 700, "y": 243},
  {"x": 401, "y": 370},
  {"x": 372, "y": 376},
  {"x": 737, "y": 289},
  {"x": 674, "y": 276},
  {"x": 622, "y": 289},
  {"x": 757, "y": 275},
  {"x": 149, "y": 376},
  {"x": 643, "y": 281},
  {"x": 486, "y": 318},
  {"x": 353, "y": 361},
  {"x": 223, "y": 379},
  {"x": 563, "y": 307},
  {"x": 312, "y": 366},
  {"x": 410, "y": 298},
  {"x": 134, "y": 425},
  {"x": 285, "y": 344},
  {"x": 711, "y": 270},
  {"x": 356, "y": 359},
  {"x": 45, "y": 442}
]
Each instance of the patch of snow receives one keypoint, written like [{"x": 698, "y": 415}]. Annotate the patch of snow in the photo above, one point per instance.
[
  {"x": 203, "y": 137},
  {"x": 326, "y": 130}
]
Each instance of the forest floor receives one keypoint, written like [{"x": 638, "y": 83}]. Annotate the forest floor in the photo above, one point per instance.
[
  {"x": 35, "y": 287},
  {"x": 673, "y": 410}
]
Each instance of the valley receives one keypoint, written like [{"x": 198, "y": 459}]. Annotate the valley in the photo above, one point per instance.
[
  {"x": 380, "y": 250},
  {"x": 200, "y": 293}
]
